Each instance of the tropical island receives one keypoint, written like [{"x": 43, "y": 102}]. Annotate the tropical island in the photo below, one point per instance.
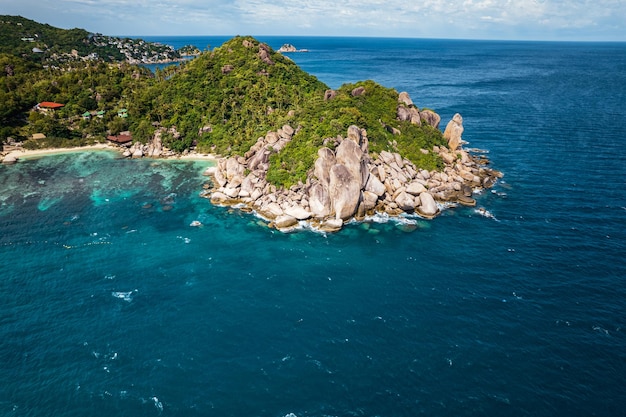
[
  {"x": 290, "y": 48},
  {"x": 288, "y": 148}
]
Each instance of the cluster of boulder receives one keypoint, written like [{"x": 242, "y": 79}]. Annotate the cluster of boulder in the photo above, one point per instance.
[
  {"x": 349, "y": 182},
  {"x": 409, "y": 112},
  {"x": 152, "y": 149}
]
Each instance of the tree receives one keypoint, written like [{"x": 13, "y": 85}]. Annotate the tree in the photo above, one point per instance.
[{"x": 117, "y": 125}]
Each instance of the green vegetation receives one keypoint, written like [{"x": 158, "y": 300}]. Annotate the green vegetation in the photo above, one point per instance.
[
  {"x": 373, "y": 110},
  {"x": 19, "y": 36},
  {"x": 221, "y": 102},
  {"x": 232, "y": 91},
  {"x": 189, "y": 50},
  {"x": 49, "y": 45},
  {"x": 241, "y": 97},
  {"x": 83, "y": 88}
]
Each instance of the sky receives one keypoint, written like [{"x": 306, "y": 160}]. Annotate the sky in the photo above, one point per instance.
[{"x": 569, "y": 20}]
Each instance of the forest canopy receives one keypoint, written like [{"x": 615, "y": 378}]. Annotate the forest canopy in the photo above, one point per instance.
[{"x": 220, "y": 102}]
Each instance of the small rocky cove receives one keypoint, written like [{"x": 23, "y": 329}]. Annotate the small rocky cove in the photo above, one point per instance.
[{"x": 349, "y": 182}]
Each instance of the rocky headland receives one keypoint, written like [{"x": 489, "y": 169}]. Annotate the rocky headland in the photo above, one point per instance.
[
  {"x": 348, "y": 182},
  {"x": 295, "y": 152},
  {"x": 290, "y": 48}
]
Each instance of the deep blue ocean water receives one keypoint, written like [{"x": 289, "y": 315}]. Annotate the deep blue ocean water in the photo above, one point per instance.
[{"x": 113, "y": 305}]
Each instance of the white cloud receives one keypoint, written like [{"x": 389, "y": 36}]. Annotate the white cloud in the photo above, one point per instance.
[{"x": 529, "y": 19}]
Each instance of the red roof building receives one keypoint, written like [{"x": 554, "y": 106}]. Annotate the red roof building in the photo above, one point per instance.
[
  {"x": 121, "y": 138},
  {"x": 49, "y": 105}
]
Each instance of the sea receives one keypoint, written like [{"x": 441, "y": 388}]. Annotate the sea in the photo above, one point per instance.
[{"x": 113, "y": 304}]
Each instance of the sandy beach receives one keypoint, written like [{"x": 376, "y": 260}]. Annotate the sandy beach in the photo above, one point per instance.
[
  {"x": 197, "y": 156},
  {"x": 34, "y": 153}
]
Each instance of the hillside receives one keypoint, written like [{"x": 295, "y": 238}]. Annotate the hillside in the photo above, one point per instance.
[
  {"x": 44, "y": 43},
  {"x": 223, "y": 100}
]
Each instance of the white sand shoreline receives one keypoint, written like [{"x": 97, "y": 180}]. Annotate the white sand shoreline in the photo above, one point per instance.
[{"x": 34, "y": 153}]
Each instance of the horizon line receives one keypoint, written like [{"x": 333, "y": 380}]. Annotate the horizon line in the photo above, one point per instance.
[{"x": 387, "y": 37}]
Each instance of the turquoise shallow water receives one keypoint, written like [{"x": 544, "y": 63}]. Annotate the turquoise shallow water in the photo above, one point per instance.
[{"x": 112, "y": 304}]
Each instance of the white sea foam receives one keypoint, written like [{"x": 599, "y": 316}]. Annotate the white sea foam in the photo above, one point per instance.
[
  {"x": 184, "y": 239},
  {"x": 308, "y": 226},
  {"x": 499, "y": 193},
  {"x": 485, "y": 213},
  {"x": 478, "y": 151},
  {"x": 126, "y": 296},
  {"x": 601, "y": 330},
  {"x": 158, "y": 404}
]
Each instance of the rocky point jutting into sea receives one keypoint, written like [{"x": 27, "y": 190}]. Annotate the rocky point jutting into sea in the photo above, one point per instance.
[
  {"x": 294, "y": 151},
  {"x": 349, "y": 182}
]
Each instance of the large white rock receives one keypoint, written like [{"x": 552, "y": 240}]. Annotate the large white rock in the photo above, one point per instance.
[
  {"x": 404, "y": 98},
  {"x": 231, "y": 192},
  {"x": 349, "y": 154},
  {"x": 9, "y": 159},
  {"x": 427, "y": 207},
  {"x": 256, "y": 194},
  {"x": 210, "y": 171},
  {"x": 260, "y": 157},
  {"x": 344, "y": 191},
  {"x": 415, "y": 116},
  {"x": 218, "y": 197},
  {"x": 247, "y": 184},
  {"x": 324, "y": 162},
  {"x": 271, "y": 138},
  {"x": 331, "y": 225},
  {"x": 453, "y": 132},
  {"x": 319, "y": 201},
  {"x": 369, "y": 200},
  {"x": 375, "y": 186},
  {"x": 271, "y": 210},
  {"x": 298, "y": 212},
  {"x": 220, "y": 178},
  {"x": 405, "y": 201},
  {"x": 285, "y": 221},
  {"x": 431, "y": 118},
  {"x": 415, "y": 188},
  {"x": 387, "y": 157},
  {"x": 354, "y": 134},
  {"x": 233, "y": 168}
]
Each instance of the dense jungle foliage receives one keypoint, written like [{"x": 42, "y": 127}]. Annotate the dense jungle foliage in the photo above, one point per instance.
[
  {"x": 49, "y": 45},
  {"x": 20, "y": 35},
  {"x": 238, "y": 97},
  {"x": 96, "y": 88},
  {"x": 220, "y": 102}
]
